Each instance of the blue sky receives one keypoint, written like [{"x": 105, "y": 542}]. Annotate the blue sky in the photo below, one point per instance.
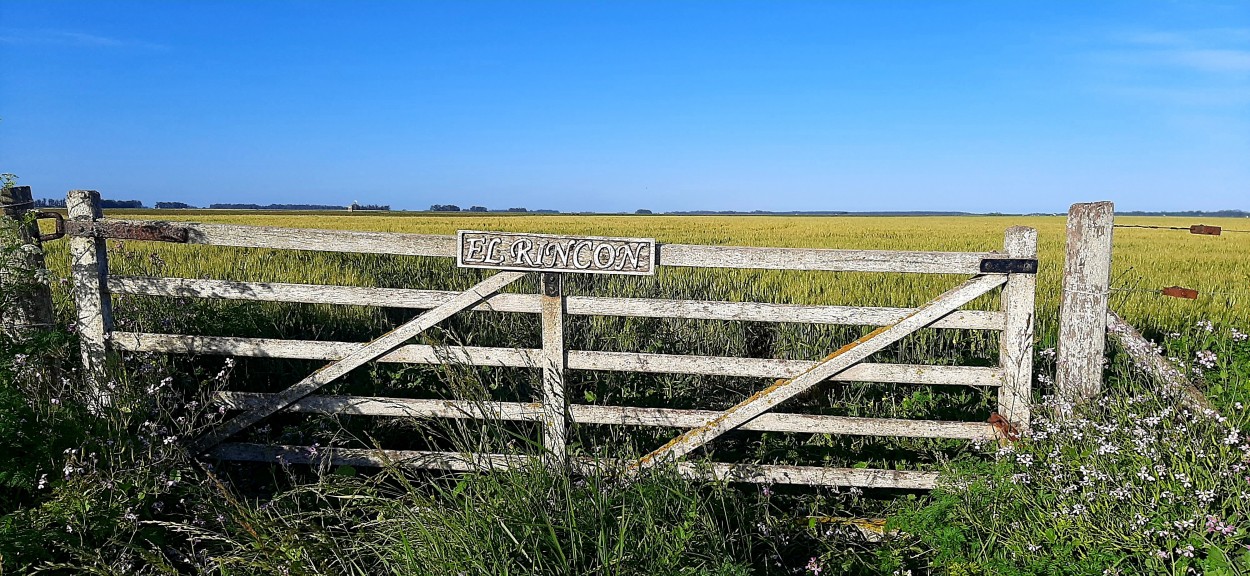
[{"x": 609, "y": 106}]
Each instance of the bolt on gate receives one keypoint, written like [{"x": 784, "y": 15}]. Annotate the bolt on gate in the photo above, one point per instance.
[{"x": 514, "y": 256}]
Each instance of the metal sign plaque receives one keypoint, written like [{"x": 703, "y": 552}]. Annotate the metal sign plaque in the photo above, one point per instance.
[{"x": 554, "y": 253}]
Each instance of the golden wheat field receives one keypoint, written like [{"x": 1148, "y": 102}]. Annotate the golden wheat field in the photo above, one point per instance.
[{"x": 1145, "y": 260}]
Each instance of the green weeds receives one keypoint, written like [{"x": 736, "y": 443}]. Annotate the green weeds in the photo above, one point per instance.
[{"x": 1133, "y": 482}]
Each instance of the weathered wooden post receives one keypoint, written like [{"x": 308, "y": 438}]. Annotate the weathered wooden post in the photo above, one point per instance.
[
  {"x": 554, "y": 408},
  {"x": 1015, "y": 346},
  {"x": 1083, "y": 310},
  {"x": 29, "y": 307},
  {"x": 89, "y": 269}
]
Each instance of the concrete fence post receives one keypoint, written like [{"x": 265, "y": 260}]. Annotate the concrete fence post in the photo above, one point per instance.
[
  {"x": 1083, "y": 310},
  {"x": 89, "y": 269}
]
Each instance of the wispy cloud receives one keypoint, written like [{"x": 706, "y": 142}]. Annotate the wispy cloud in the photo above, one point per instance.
[
  {"x": 71, "y": 38},
  {"x": 1205, "y": 68},
  {"x": 1213, "y": 60},
  {"x": 1196, "y": 37},
  {"x": 1189, "y": 97},
  {"x": 1216, "y": 51}
]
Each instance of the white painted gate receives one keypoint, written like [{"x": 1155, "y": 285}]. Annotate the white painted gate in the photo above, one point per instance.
[{"x": 1013, "y": 269}]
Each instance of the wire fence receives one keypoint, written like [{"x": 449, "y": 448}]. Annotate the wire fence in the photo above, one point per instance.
[
  {"x": 1181, "y": 291},
  {"x": 1200, "y": 229}
]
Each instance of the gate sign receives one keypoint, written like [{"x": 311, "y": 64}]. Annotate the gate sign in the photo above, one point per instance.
[{"x": 553, "y": 253}]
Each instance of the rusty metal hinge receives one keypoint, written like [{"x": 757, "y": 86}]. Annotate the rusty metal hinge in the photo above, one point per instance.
[
  {"x": 1009, "y": 266},
  {"x": 153, "y": 231},
  {"x": 1005, "y": 430}
]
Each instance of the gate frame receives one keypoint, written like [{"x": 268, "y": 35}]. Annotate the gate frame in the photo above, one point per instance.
[{"x": 1014, "y": 268}]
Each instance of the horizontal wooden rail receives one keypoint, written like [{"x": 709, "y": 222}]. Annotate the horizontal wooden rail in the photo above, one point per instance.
[
  {"x": 466, "y": 462},
  {"x": 310, "y": 239},
  {"x": 669, "y": 254},
  {"x": 619, "y": 415},
  {"x": 823, "y": 259},
  {"x": 577, "y": 359},
  {"x": 576, "y": 305}
]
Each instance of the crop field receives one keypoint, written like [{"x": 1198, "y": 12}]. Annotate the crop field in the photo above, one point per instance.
[{"x": 1145, "y": 259}]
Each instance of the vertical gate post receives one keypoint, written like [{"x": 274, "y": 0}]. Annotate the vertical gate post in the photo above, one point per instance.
[
  {"x": 30, "y": 310},
  {"x": 1015, "y": 344},
  {"x": 1083, "y": 311},
  {"x": 554, "y": 409},
  {"x": 89, "y": 268}
]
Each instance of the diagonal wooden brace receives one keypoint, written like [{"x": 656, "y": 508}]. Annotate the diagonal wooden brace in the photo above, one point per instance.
[
  {"x": 365, "y": 353},
  {"x": 844, "y": 358}
]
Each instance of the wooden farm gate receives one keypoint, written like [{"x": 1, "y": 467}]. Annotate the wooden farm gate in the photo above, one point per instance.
[{"x": 1013, "y": 268}]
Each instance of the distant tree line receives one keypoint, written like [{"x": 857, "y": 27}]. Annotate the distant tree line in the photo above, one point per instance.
[
  {"x": 454, "y": 208},
  {"x": 1191, "y": 213},
  {"x": 121, "y": 203},
  {"x": 60, "y": 203},
  {"x": 224, "y": 206}
]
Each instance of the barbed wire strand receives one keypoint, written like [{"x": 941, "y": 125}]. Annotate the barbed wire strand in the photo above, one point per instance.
[
  {"x": 1186, "y": 229},
  {"x": 1159, "y": 292}
]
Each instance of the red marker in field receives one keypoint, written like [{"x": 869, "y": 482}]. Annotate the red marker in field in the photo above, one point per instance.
[{"x": 1179, "y": 292}]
